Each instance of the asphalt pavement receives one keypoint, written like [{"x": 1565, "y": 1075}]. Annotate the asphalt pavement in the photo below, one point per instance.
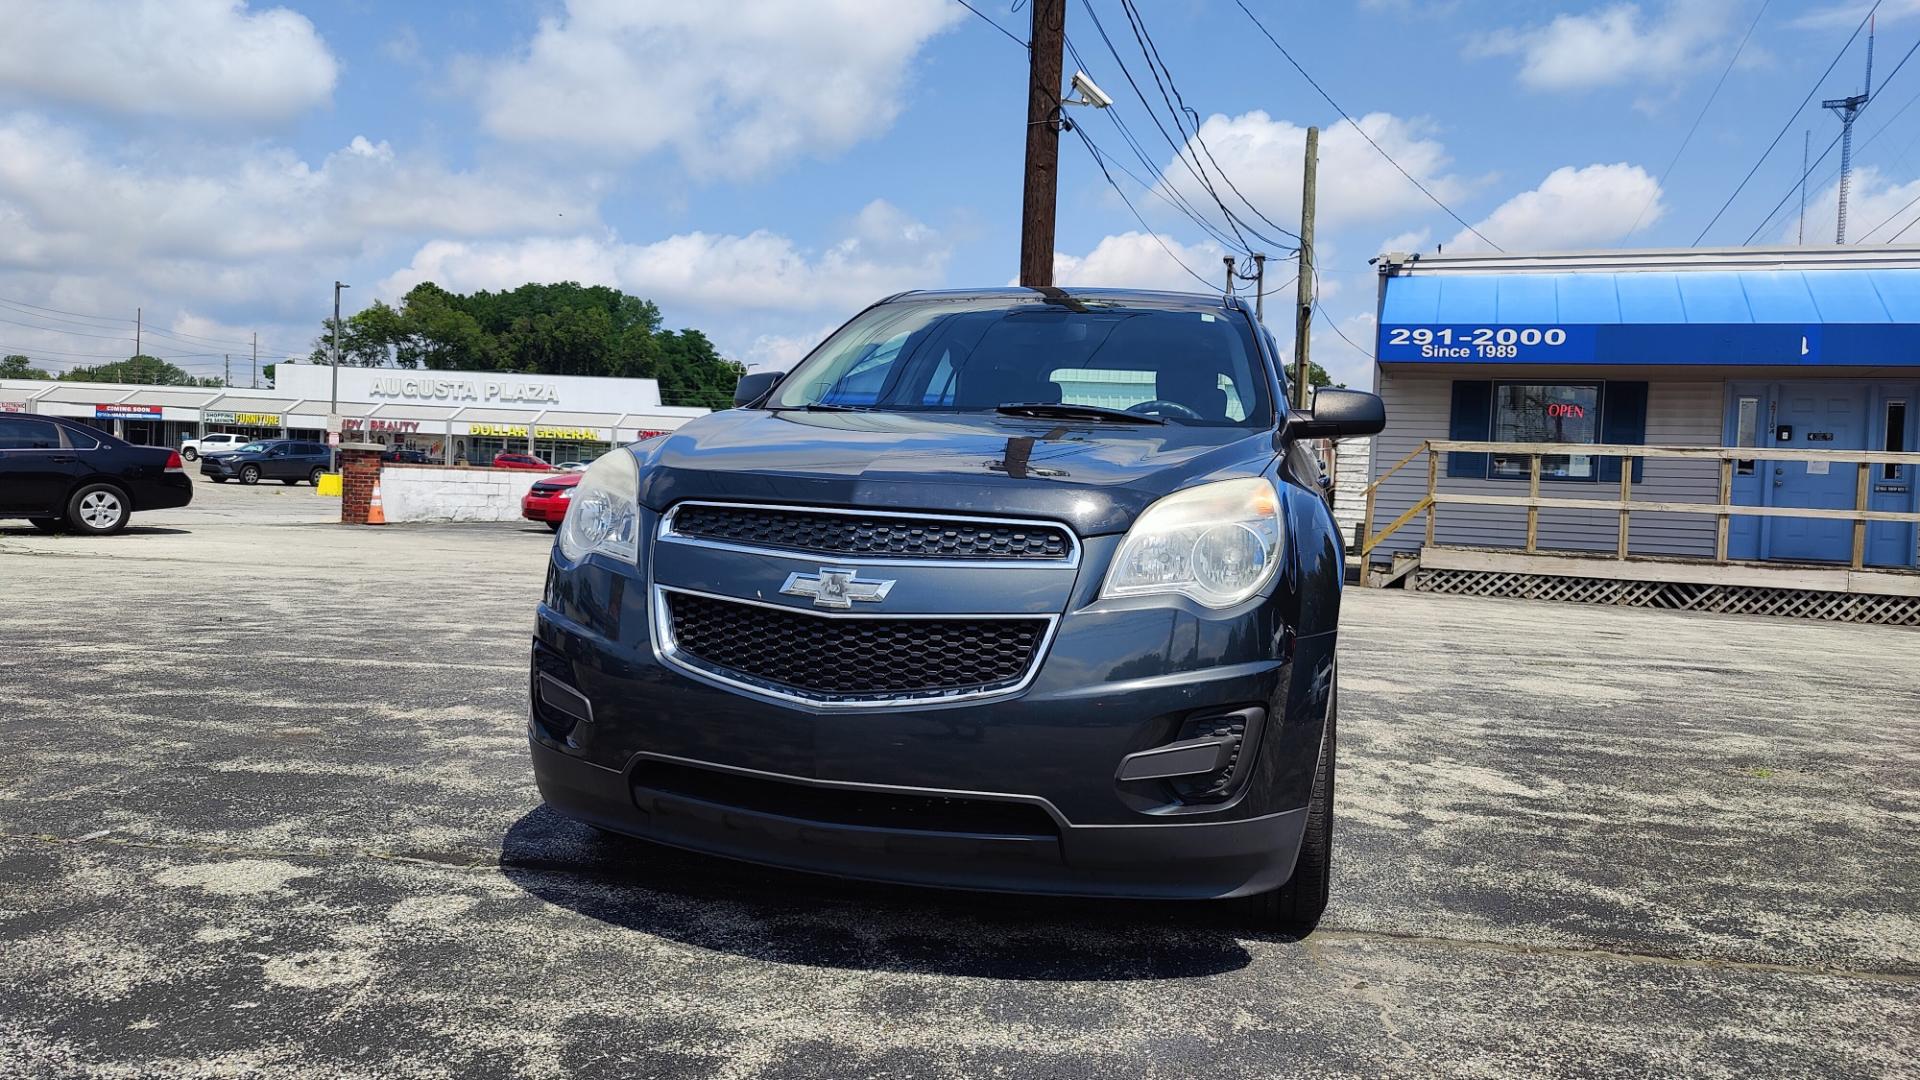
[{"x": 265, "y": 810}]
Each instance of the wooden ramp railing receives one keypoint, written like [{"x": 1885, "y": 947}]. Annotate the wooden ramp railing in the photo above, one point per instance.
[{"x": 1724, "y": 509}]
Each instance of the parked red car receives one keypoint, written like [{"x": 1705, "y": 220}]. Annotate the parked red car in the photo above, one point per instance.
[
  {"x": 520, "y": 461},
  {"x": 548, "y": 499}
]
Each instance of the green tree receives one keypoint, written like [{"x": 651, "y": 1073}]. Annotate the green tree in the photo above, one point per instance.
[
  {"x": 1317, "y": 376},
  {"x": 16, "y": 366},
  {"x": 147, "y": 370},
  {"x": 560, "y": 328}
]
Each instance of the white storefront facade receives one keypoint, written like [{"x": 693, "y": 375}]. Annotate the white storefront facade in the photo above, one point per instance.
[{"x": 452, "y": 416}]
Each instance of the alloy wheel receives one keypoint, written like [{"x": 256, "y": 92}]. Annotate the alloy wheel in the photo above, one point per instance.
[{"x": 100, "y": 509}]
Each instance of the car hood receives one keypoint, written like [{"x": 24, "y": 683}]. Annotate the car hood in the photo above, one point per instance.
[{"x": 1096, "y": 477}]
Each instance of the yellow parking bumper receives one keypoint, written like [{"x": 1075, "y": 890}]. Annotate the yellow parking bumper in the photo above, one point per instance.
[{"x": 329, "y": 485}]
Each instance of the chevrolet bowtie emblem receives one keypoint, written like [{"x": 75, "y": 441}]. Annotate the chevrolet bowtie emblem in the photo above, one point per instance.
[{"x": 831, "y": 588}]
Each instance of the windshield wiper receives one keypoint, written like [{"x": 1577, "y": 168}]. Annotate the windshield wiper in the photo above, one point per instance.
[
  {"x": 1055, "y": 410},
  {"x": 829, "y": 406}
]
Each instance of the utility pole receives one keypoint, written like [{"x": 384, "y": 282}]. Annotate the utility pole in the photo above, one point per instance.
[
  {"x": 227, "y": 379},
  {"x": 1229, "y": 261},
  {"x": 256, "y": 359},
  {"x": 333, "y": 406},
  {"x": 1303, "y": 314},
  {"x": 1259, "y": 287},
  {"x": 1847, "y": 109},
  {"x": 136, "y": 331},
  {"x": 1044, "y": 61},
  {"x": 1806, "y": 143}
]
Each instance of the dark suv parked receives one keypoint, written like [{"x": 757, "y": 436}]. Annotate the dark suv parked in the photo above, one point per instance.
[
  {"x": 1034, "y": 590},
  {"x": 286, "y": 460},
  {"x": 62, "y": 475}
]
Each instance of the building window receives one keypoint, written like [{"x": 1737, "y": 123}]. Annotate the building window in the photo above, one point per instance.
[
  {"x": 1566, "y": 413},
  {"x": 1896, "y": 438},
  {"x": 1746, "y": 431}
]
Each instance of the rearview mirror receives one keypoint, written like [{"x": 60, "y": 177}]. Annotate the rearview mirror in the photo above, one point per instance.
[
  {"x": 753, "y": 386},
  {"x": 1339, "y": 414}
]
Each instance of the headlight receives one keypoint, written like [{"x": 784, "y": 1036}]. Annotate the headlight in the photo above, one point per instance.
[
  {"x": 1219, "y": 544},
  {"x": 604, "y": 513}
]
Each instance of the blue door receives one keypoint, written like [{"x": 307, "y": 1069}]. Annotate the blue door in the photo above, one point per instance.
[{"x": 1814, "y": 416}]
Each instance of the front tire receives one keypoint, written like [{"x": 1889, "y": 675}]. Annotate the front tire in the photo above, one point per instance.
[
  {"x": 98, "y": 510},
  {"x": 190, "y": 453},
  {"x": 249, "y": 474},
  {"x": 1295, "y": 908},
  {"x": 314, "y": 476},
  {"x": 553, "y": 526},
  {"x": 218, "y": 479}
]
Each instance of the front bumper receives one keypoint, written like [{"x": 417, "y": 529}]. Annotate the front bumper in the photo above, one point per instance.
[
  {"x": 548, "y": 510},
  {"x": 1165, "y": 860}
]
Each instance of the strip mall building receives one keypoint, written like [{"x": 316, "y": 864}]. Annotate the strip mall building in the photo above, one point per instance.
[
  {"x": 1801, "y": 348},
  {"x": 450, "y": 415}
]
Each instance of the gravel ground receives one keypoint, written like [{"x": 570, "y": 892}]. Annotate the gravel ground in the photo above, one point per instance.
[{"x": 267, "y": 811}]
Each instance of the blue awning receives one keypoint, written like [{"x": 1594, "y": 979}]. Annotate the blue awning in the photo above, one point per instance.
[{"x": 1866, "y": 316}]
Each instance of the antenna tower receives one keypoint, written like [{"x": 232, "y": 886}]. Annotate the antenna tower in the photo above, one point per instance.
[{"x": 1847, "y": 109}]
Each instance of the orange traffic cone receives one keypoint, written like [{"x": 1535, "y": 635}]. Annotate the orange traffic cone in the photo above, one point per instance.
[{"x": 376, "y": 515}]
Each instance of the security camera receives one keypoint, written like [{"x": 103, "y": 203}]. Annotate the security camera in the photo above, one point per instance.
[{"x": 1090, "y": 94}]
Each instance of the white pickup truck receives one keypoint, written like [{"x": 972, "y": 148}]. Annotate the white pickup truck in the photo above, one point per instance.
[{"x": 218, "y": 442}]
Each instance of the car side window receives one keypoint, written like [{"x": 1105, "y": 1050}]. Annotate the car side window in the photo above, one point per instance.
[
  {"x": 78, "y": 440},
  {"x": 18, "y": 433}
]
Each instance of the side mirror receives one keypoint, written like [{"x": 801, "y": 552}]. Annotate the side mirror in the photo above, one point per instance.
[
  {"x": 1339, "y": 414},
  {"x": 753, "y": 386}
]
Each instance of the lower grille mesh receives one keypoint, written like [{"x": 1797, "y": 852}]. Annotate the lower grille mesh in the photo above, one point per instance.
[{"x": 865, "y": 657}]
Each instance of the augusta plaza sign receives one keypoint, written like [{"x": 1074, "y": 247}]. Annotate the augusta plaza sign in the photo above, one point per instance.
[{"x": 408, "y": 388}]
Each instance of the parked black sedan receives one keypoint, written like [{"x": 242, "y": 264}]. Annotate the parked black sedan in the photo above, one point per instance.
[
  {"x": 64, "y": 475},
  {"x": 286, "y": 460}
]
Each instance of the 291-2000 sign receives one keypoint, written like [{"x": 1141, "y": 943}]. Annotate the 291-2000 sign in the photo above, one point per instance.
[{"x": 1486, "y": 342}]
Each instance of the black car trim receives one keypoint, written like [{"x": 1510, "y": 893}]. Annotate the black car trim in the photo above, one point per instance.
[
  {"x": 668, "y": 653},
  {"x": 665, "y": 531}
]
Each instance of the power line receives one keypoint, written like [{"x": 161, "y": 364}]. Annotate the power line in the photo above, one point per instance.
[
  {"x": 119, "y": 321},
  {"x": 1155, "y": 65},
  {"x": 1702, "y": 115},
  {"x": 1802, "y": 107},
  {"x": 1179, "y": 148},
  {"x": 1435, "y": 199},
  {"x": 1100, "y": 160},
  {"x": 1870, "y": 139},
  {"x": 1166, "y": 191},
  {"x": 989, "y": 21}
]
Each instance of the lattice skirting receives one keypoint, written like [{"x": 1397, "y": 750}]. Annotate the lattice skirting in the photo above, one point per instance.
[{"x": 1681, "y": 596}]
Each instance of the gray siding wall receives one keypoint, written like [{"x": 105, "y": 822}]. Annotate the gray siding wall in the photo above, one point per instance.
[{"x": 1678, "y": 414}]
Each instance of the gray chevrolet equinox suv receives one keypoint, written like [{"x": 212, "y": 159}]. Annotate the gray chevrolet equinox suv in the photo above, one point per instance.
[{"x": 1013, "y": 589}]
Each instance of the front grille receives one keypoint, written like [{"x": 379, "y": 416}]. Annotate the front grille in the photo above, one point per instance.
[
  {"x": 544, "y": 488},
  {"x": 824, "y": 657},
  {"x": 827, "y": 532}
]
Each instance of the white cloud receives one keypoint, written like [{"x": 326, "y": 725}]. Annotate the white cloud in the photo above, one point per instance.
[
  {"x": 778, "y": 352},
  {"x": 885, "y": 251},
  {"x": 1572, "y": 208},
  {"x": 1262, "y": 156},
  {"x": 1137, "y": 260},
  {"x": 1409, "y": 241},
  {"x": 732, "y": 87},
  {"x": 1619, "y": 43},
  {"x": 213, "y": 59},
  {"x": 234, "y": 204}
]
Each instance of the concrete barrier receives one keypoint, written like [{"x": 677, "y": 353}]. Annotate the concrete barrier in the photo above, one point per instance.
[{"x": 453, "y": 493}]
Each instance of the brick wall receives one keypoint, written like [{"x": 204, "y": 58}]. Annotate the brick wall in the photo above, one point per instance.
[{"x": 359, "y": 472}]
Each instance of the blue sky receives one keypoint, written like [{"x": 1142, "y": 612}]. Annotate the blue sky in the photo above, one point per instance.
[{"x": 762, "y": 168}]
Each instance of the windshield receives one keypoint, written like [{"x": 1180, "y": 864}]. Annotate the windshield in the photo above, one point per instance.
[
  {"x": 252, "y": 448},
  {"x": 1185, "y": 365}
]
